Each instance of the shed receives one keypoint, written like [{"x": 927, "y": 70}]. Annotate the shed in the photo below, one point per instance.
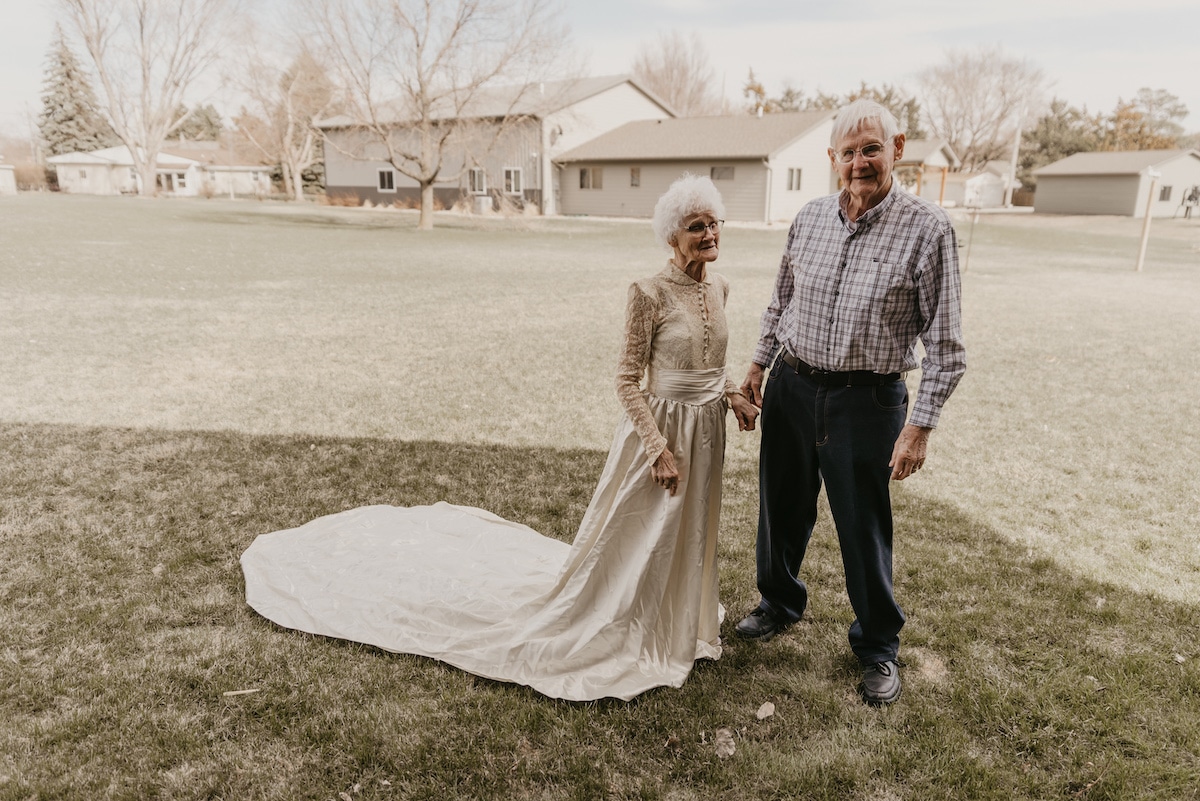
[
  {"x": 766, "y": 167},
  {"x": 926, "y": 166},
  {"x": 1119, "y": 183}
]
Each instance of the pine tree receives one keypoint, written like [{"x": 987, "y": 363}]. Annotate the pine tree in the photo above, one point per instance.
[{"x": 70, "y": 120}]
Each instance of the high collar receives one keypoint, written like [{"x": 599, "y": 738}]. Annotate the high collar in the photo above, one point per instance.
[{"x": 677, "y": 276}]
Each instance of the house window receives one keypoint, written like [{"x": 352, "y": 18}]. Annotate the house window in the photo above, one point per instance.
[
  {"x": 591, "y": 177},
  {"x": 721, "y": 173},
  {"x": 1164, "y": 193},
  {"x": 180, "y": 180},
  {"x": 387, "y": 180},
  {"x": 254, "y": 176},
  {"x": 132, "y": 174},
  {"x": 635, "y": 176},
  {"x": 83, "y": 175},
  {"x": 794, "y": 179},
  {"x": 512, "y": 181},
  {"x": 477, "y": 180}
]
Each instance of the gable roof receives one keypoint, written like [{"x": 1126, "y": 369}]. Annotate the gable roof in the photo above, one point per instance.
[
  {"x": 1119, "y": 162},
  {"x": 118, "y": 157},
  {"x": 918, "y": 151},
  {"x": 521, "y": 100},
  {"x": 742, "y": 136}
]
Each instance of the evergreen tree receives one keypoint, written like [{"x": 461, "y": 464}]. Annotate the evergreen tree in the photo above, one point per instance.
[
  {"x": 70, "y": 120},
  {"x": 201, "y": 124},
  {"x": 1063, "y": 131}
]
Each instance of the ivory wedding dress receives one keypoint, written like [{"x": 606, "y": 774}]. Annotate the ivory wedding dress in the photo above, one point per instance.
[{"x": 629, "y": 606}]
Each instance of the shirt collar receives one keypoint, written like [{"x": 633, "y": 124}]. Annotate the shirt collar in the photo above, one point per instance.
[
  {"x": 678, "y": 276},
  {"x": 870, "y": 215}
]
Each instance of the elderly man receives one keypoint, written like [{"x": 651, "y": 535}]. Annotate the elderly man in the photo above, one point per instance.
[{"x": 865, "y": 274}]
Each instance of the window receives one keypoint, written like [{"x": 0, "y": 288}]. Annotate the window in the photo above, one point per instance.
[
  {"x": 1164, "y": 193},
  {"x": 591, "y": 177},
  {"x": 387, "y": 180},
  {"x": 635, "y": 176},
  {"x": 512, "y": 181},
  {"x": 794, "y": 179},
  {"x": 132, "y": 174},
  {"x": 477, "y": 181},
  {"x": 721, "y": 173},
  {"x": 82, "y": 175},
  {"x": 180, "y": 181}
]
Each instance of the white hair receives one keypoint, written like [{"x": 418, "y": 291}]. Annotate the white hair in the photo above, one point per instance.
[
  {"x": 688, "y": 195},
  {"x": 852, "y": 117}
]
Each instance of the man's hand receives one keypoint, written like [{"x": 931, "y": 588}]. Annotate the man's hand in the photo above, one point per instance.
[
  {"x": 908, "y": 455},
  {"x": 752, "y": 386}
]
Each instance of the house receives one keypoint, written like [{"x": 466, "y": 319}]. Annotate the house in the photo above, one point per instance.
[
  {"x": 1119, "y": 183},
  {"x": 767, "y": 167},
  {"x": 984, "y": 189},
  {"x": 8, "y": 178},
  {"x": 520, "y": 130},
  {"x": 183, "y": 169},
  {"x": 926, "y": 167}
]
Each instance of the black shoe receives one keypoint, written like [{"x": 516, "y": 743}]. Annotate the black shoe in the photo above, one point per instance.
[
  {"x": 760, "y": 625},
  {"x": 881, "y": 683}
]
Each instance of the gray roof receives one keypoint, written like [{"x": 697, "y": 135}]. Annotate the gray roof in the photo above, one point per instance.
[
  {"x": 918, "y": 151},
  {"x": 742, "y": 136},
  {"x": 1120, "y": 162},
  {"x": 523, "y": 100}
]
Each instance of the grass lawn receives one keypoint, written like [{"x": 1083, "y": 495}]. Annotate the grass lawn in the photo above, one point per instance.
[{"x": 177, "y": 377}]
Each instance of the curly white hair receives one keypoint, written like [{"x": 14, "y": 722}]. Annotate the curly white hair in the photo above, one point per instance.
[{"x": 689, "y": 194}]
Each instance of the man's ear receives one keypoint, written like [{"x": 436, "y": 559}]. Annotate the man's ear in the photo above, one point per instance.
[{"x": 899, "y": 141}]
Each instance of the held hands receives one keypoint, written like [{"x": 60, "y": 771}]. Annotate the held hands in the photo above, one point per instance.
[
  {"x": 664, "y": 472},
  {"x": 908, "y": 455},
  {"x": 752, "y": 386},
  {"x": 745, "y": 412}
]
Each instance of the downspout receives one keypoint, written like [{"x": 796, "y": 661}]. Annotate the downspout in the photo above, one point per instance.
[{"x": 767, "y": 205}]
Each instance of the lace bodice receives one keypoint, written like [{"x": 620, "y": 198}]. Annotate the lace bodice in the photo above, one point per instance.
[{"x": 672, "y": 322}]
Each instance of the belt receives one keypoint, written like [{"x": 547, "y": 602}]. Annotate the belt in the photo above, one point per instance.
[{"x": 834, "y": 378}]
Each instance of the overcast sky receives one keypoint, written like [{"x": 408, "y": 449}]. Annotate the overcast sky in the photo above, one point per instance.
[{"x": 1093, "y": 52}]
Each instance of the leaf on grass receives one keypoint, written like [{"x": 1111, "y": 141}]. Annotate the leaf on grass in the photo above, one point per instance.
[
  {"x": 231, "y": 693},
  {"x": 672, "y": 743},
  {"x": 724, "y": 741},
  {"x": 345, "y": 797},
  {"x": 765, "y": 711},
  {"x": 1180, "y": 658}
]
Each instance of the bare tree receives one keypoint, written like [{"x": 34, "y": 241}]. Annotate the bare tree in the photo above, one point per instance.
[
  {"x": 147, "y": 54},
  {"x": 283, "y": 105},
  {"x": 417, "y": 76},
  {"x": 975, "y": 98},
  {"x": 677, "y": 69}
]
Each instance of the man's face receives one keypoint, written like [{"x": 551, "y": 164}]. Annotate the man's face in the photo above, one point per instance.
[{"x": 867, "y": 177}]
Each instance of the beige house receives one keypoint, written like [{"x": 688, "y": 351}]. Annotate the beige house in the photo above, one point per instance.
[
  {"x": 520, "y": 130},
  {"x": 926, "y": 168},
  {"x": 1119, "y": 183},
  {"x": 767, "y": 167},
  {"x": 185, "y": 169}
]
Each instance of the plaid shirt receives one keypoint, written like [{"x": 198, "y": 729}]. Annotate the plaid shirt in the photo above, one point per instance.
[{"x": 858, "y": 295}]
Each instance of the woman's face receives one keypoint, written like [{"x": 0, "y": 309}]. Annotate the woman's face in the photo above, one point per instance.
[{"x": 699, "y": 238}]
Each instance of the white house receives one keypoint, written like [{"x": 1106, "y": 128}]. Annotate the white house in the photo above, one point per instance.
[
  {"x": 766, "y": 166},
  {"x": 8, "y": 179},
  {"x": 184, "y": 169},
  {"x": 1119, "y": 183},
  {"x": 539, "y": 122},
  {"x": 926, "y": 167}
]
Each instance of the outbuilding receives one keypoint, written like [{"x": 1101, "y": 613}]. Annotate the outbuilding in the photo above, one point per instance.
[
  {"x": 766, "y": 167},
  {"x": 1120, "y": 183}
]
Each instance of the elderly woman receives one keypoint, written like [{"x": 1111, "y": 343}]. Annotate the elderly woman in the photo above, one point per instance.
[{"x": 632, "y": 603}]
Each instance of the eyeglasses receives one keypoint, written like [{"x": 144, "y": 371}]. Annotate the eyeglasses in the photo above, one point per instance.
[
  {"x": 868, "y": 152},
  {"x": 699, "y": 228}
]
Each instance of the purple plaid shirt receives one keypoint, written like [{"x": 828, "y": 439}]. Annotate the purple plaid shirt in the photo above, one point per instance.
[{"x": 858, "y": 295}]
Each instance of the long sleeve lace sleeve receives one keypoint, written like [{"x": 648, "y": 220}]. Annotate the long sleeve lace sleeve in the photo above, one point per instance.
[{"x": 635, "y": 355}]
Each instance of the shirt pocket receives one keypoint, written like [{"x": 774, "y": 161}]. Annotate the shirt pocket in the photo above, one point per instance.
[{"x": 894, "y": 305}]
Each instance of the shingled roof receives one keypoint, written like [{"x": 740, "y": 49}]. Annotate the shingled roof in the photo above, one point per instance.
[
  {"x": 743, "y": 136},
  {"x": 1121, "y": 162}
]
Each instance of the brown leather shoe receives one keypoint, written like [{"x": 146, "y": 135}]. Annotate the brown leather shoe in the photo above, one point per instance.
[
  {"x": 881, "y": 683},
  {"x": 760, "y": 625}
]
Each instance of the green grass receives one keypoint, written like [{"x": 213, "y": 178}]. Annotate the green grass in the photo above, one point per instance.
[{"x": 179, "y": 377}]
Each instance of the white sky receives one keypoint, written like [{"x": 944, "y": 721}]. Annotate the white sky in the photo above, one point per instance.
[{"x": 1093, "y": 52}]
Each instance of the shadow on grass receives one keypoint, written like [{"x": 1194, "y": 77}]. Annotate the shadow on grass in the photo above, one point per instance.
[{"x": 121, "y": 601}]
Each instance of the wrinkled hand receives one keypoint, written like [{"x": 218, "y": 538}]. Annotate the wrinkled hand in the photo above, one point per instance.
[
  {"x": 752, "y": 386},
  {"x": 745, "y": 412},
  {"x": 664, "y": 472},
  {"x": 908, "y": 455}
]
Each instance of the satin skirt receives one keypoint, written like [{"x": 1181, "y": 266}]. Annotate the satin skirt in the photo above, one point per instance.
[{"x": 629, "y": 606}]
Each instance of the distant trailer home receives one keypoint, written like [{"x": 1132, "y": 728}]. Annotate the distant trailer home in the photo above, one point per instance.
[
  {"x": 518, "y": 130},
  {"x": 766, "y": 167},
  {"x": 184, "y": 169},
  {"x": 1120, "y": 183}
]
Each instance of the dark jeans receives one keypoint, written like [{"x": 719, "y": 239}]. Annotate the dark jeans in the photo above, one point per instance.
[{"x": 843, "y": 435}]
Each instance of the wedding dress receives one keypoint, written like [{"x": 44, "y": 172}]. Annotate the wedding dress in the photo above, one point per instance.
[{"x": 629, "y": 606}]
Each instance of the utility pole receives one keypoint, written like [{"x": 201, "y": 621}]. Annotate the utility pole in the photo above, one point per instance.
[
  {"x": 1153, "y": 175},
  {"x": 1012, "y": 167}
]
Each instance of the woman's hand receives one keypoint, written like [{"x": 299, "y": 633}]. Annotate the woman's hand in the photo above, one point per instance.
[
  {"x": 745, "y": 412},
  {"x": 664, "y": 472}
]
